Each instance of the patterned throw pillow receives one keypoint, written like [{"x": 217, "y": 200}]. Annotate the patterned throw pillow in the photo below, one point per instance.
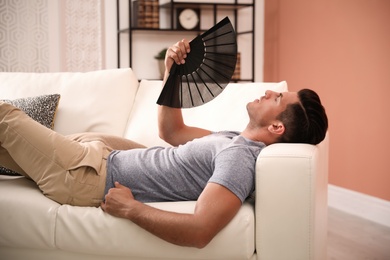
[{"x": 41, "y": 108}]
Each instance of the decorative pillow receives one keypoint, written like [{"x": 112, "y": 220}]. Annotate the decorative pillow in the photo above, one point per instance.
[{"x": 41, "y": 108}]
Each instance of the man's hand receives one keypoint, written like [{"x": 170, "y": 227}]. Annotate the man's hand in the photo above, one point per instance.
[
  {"x": 177, "y": 53},
  {"x": 118, "y": 201}
]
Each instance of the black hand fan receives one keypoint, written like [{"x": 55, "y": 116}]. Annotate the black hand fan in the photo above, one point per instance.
[{"x": 208, "y": 68}]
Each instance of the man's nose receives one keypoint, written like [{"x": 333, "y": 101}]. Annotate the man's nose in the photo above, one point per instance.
[{"x": 270, "y": 93}]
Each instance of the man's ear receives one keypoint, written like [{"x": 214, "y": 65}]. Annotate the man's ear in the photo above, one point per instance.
[{"x": 276, "y": 128}]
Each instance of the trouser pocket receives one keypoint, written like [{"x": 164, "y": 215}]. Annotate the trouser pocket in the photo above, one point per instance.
[{"x": 87, "y": 181}]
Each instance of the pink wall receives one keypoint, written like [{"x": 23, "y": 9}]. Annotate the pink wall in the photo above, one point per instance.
[{"x": 341, "y": 49}]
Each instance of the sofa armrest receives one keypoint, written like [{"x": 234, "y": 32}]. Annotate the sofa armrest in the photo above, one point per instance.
[{"x": 291, "y": 201}]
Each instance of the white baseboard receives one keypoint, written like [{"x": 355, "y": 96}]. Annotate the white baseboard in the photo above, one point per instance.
[{"x": 359, "y": 204}]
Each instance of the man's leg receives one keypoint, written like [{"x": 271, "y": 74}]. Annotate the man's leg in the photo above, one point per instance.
[
  {"x": 66, "y": 171},
  {"x": 9, "y": 163},
  {"x": 111, "y": 141}
]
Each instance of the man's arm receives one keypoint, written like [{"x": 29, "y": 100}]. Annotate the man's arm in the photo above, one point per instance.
[
  {"x": 171, "y": 126},
  {"x": 214, "y": 209}
]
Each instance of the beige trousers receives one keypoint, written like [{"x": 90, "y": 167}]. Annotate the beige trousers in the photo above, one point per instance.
[{"x": 67, "y": 169}]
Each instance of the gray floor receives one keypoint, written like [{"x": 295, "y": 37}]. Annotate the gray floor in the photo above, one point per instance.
[{"x": 353, "y": 238}]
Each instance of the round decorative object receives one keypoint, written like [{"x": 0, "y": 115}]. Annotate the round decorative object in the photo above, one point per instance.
[{"x": 188, "y": 19}]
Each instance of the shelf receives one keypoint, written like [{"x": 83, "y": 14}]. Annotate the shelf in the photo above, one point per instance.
[
  {"x": 128, "y": 30},
  {"x": 220, "y": 6},
  {"x": 211, "y": 11}
]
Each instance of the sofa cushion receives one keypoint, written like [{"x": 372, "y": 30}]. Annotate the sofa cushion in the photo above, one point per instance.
[
  {"x": 97, "y": 101},
  {"x": 27, "y": 217},
  {"x": 225, "y": 112},
  {"x": 40, "y": 108},
  {"x": 142, "y": 125},
  {"x": 121, "y": 237}
]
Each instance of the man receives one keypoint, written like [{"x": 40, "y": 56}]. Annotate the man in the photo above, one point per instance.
[{"x": 216, "y": 169}]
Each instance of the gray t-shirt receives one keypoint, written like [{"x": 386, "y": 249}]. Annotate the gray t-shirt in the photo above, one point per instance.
[{"x": 181, "y": 173}]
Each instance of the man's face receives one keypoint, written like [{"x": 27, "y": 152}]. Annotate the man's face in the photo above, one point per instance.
[{"x": 265, "y": 110}]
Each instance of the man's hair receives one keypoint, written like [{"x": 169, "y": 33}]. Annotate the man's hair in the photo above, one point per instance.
[{"x": 305, "y": 121}]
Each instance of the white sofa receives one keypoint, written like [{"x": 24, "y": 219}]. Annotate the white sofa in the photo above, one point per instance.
[{"x": 288, "y": 220}]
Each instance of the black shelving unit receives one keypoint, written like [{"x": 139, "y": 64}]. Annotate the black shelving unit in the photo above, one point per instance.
[{"x": 172, "y": 6}]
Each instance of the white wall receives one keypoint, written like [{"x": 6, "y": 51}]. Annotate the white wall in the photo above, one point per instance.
[
  {"x": 110, "y": 40},
  {"x": 24, "y": 42},
  {"x": 50, "y": 36}
]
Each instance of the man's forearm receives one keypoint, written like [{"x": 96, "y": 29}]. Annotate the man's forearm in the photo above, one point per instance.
[
  {"x": 170, "y": 122},
  {"x": 177, "y": 228},
  {"x": 180, "y": 229},
  {"x": 214, "y": 209}
]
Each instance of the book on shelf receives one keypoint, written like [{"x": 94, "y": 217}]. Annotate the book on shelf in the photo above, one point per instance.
[
  {"x": 237, "y": 71},
  {"x": 146, "y": 14}
]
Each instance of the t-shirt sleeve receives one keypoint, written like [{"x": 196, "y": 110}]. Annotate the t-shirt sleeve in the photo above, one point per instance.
[{"x": 235, "y": 170}]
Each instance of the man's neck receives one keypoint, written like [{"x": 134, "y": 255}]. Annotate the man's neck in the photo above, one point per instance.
[{"x": 258, "y": 135}]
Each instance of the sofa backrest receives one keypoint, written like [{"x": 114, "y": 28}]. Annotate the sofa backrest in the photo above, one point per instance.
[
  {"x": 114, "y": 102},
  {"x": 226, "y": 112},
  {"x": 98, "y": 101}
]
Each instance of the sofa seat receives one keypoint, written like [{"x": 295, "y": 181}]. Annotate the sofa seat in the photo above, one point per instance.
[{"x": 79, "y": 229}]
